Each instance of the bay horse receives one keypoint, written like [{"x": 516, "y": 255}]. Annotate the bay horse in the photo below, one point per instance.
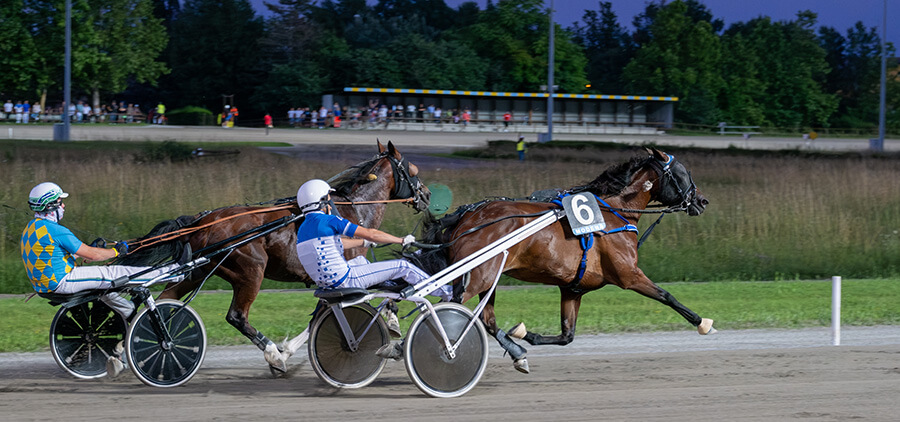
[
  {"x": 554, "y": 255},
  {"x": 387, "y": 176}
]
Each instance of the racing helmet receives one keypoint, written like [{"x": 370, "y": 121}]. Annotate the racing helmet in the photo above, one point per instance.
[
  {"x": 45, "y": 197},
  {"x": 312, "y": 193}
]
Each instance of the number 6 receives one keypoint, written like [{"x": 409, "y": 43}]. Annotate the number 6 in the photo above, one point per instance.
[{"x": 583, "y": 212}]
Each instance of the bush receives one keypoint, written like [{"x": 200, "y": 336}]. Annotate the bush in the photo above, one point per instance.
[{"x": 191, "y": 116}]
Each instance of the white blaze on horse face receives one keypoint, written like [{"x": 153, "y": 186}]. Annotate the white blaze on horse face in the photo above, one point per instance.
[{"x": 647, "y": 186}]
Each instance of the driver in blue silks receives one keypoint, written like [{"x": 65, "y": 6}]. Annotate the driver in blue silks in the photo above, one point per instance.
[{"x": 322, "y": 238}]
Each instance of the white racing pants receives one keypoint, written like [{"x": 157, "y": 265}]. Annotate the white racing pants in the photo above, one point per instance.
[
  {"x": 101, "y": 277},
  {"x": 364, "y": 274}
]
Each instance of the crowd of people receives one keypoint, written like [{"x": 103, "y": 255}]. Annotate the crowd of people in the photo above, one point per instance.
[
  {"x": 24, "y": 112},
  {"x": 376, "y": 114}
]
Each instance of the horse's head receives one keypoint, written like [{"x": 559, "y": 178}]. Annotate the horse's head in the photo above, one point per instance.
[
  {"x": 676, "y": 186},
  {"x": 405, "y": 175}
]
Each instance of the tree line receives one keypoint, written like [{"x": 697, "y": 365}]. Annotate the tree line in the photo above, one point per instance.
[{"x": 788, "y": 74}]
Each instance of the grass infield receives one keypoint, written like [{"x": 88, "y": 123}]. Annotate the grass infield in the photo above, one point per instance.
[{"x": 733, "y": 305}]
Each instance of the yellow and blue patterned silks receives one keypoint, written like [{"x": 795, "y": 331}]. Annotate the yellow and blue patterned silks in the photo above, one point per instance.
[{"x": 48, "y": 253}]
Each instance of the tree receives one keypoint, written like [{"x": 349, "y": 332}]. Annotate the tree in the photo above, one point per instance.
[
  {"x": 792, "y": 69},
  {"x": 513, "y": 36},
  {"x": 19, "y": 56},
  {"x": 127, "y": 41},
  {"x": 607, "y": 47},
  {"x": 855, "y": 63},
  {"x": 682, "y": 59},
  {"x": 215, "y": 51}
]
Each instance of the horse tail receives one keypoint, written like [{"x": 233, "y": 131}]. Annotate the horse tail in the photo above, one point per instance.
[{"x": 157, "y": 252}]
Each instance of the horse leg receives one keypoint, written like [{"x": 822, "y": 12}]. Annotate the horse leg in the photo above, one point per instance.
[
  {"x": 517, "y": 352},
  {"x": 569, "y": 304},
  {"x": 245, "y": 290},
  {"x": 649, "y": 289}
]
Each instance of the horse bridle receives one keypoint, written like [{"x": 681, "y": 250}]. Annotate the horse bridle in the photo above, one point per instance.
[
  {"x": 664, "y": 175},
  {"x": 405, "y": 185}
]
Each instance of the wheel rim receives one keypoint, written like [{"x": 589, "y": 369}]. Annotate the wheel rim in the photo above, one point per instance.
[
  {"x": 430, "y": 367},
  {"x": 333, "y": 360},
  {"x": 84, "y": 336},
  {"x": 167, "y": 367}
]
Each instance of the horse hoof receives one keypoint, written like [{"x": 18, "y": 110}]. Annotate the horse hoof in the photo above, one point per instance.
[
  {"x": 706, "y": 327},
  {"x": 518, "y": 331},
  {"x": 277, "y": 372},
  {"x": 521, "y": 365}
]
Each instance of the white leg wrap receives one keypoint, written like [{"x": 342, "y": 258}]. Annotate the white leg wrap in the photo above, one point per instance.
[
  {"x": 274, "y": 357},
  {"x": 289, "y": 347},
  {"x": 706, "y": 327}
]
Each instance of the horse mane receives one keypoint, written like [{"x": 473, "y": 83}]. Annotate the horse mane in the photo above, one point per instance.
[
  {"x": 614, "y": 179},
  {"x": 344, "y": 182},
  {"x": 162, "y": 251}
]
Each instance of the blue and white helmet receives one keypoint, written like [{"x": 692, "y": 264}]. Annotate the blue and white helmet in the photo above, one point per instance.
[
  {"x": 45, "y": 197},
  {"x": 312, "y": 193}
]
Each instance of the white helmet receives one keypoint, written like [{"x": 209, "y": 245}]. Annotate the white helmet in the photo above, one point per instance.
[
  {"x": 312, "y": 193},
  {"x": 44, "y": 197}
]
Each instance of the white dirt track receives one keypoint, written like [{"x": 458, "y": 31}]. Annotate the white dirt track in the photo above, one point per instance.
[{"x": 747, "y": 375}]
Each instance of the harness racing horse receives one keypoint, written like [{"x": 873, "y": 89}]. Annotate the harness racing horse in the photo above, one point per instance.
[
  {"x": 387, "y": 176},
  {"x": 554, "y": 255}
]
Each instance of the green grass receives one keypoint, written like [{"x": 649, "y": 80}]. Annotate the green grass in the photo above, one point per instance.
[{"x": 733, "y": 305}]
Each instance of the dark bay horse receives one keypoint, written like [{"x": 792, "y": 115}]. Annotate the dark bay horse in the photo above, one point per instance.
[
  {"x": 554, "y": 254},
  {"x": 387, "y": 176}
]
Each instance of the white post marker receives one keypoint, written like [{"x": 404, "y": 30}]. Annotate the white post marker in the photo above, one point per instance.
[{"x": 836, "y": 311}]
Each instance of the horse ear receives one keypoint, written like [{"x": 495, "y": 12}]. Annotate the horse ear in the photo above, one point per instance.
[
  {"x": 381, "y": 147},
  {"x": 393, "y": 151},
  {"x": 659, "y": 155}
]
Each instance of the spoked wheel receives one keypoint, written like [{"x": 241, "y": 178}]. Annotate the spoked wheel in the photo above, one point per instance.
[
  {"x": 84, "y": 336},
  {"x": 331, "y": 356},
  {"x": 427, "y": 362},
  {"x": 166, "y": 365}
]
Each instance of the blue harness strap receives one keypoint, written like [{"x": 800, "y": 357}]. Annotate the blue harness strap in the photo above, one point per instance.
[{"x": 587, "y": 240}]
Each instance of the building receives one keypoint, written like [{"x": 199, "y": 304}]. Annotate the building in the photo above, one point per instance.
[{"x": 572, "y": 113}]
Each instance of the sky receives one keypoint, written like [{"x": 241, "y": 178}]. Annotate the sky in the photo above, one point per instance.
[{"x": 839, "y": 14}]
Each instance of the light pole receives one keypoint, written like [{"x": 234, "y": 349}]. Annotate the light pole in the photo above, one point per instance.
[
  {"x": 883, "y": 95},
  {"x": 550, "y": 60},
  {"x": 67, "y": 74}
]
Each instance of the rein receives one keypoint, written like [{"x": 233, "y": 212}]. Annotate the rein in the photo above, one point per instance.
[{"x": 188, "y": 230}]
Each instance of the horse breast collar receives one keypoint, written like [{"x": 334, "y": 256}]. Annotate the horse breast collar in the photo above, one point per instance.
[{"x": 587, "y": 240}]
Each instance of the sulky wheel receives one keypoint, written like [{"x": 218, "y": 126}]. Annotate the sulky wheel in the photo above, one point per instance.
[
  {"x": 332, "y": 358},
  {"x": 427, "y": 362},
  {"x": 84, "y": 336},
  {"x": 166, "y": 365}
]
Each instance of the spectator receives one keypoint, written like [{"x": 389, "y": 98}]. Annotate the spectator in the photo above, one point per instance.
[
  {"x": 86, "y": 111},
  {"x": 76, "y": 111},
  {"x": 410, "y": 111},
  {"x": 98, "y": 114},
  {"x": 420, "y": 112},
  {"x": 18, "y": 109},
  {"x": 520, "y": 148},
  {"x": 8, "y": 108},
  {"x": 323, "y": 115},
  {"x": 160, "y": 113},
  {"x": 267, "y": 120},
  {"x": 26, "y": 112},
  {"x": 122, "y": 111},
  {"x": 290, "y": 115},
  {"x": 437, "y": 115},
  {"x": 36, "y": 110},
  {"x": 506, "y": 119},
  {"x": 466, "y": 116}
]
